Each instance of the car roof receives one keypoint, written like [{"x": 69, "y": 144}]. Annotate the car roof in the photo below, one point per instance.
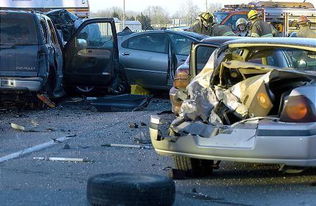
[
  {"x": 218, "y": 40},
  {"x": 18, "y": 12},
  {"x": 196, "y": 36},
  {"x": 275, "y": 41}
]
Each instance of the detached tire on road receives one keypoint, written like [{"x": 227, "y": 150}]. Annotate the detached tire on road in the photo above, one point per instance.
[
  {"x": 190, "y": 167},
  {"x": 130, "y": 190}
]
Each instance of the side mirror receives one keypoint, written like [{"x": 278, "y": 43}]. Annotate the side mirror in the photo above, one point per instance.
[{"x": 82, "y": 44}]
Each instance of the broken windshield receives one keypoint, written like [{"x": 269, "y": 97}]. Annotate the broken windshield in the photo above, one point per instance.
[{"x": 17, "y": 29}]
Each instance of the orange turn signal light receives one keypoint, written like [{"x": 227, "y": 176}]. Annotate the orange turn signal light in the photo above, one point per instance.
[{"x": 296, "y": 111}]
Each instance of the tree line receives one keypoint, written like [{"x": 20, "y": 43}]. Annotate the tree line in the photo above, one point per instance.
[{"x": 156, "y": 15}]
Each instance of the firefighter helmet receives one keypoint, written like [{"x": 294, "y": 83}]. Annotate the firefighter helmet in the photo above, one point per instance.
[
  {"x": 206, "y": 16},
  {"x": 253, "y": 14},
  {"x": 241, "y": 21}
]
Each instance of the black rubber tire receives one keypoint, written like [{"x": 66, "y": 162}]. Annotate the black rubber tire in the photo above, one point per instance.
[
  {"x": 130, "y": 190},
  {"x": 193, "y": 167}
]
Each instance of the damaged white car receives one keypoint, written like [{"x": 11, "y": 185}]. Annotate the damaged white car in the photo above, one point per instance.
[{"x": 254, "y": 101}]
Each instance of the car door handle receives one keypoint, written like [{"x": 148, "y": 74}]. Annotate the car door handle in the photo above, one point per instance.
[{"x": 125, "y": 54}]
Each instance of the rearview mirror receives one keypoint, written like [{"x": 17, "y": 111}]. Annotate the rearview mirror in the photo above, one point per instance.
[{"x": 82, "y": 44}]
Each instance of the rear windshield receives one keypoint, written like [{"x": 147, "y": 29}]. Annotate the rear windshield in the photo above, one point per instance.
[{"x": 17, "y": 29}]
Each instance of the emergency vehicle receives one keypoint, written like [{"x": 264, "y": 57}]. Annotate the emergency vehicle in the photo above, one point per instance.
[{"x": 79, "y": 7}]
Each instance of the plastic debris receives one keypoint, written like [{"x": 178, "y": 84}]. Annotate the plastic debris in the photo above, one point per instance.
[
  {"x": 139, "y": 90},
  {"x": 128, "y": 146},
  {"x": 132, "y": 125},
  {"x": 46, "y": 100},
  {"x": 62, "y": 159}
]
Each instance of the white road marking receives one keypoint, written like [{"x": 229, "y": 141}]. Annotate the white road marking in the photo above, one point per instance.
[{"x": 30, "y": 150}]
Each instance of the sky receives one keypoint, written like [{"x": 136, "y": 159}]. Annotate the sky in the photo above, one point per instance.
[{"x": 171, "y": 6}]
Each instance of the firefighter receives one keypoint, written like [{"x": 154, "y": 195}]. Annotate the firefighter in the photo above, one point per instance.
[
  {"x": 305, "y": 30},
  {"x": 259, "y": 28},
  {"x": 204, "y": 25},
  {"x": 242, "y": 27}
]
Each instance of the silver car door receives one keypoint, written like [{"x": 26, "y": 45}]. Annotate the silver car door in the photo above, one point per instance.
[{"x": 145, "y": 59}]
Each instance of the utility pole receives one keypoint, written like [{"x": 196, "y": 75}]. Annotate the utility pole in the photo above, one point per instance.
[
  {"x": 123, "y": 20},
  {"x": 206, "y": 5}
]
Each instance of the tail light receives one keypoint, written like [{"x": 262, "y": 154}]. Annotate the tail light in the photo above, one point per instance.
[
  {"x": 298, "y": 109},
  {"x": 42, "y": 63},
  {"x": 182, "y": 79}
]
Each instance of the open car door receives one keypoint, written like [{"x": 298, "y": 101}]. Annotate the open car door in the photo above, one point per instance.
[{"x": 91, "y": 55}]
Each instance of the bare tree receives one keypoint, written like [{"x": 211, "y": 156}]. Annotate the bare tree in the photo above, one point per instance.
[
  {"x": 212, "y": 7},
  {"x": 115, "y": 12},
  {"x": 188, "y": 13},
  {"x": 158, "y": 15}
]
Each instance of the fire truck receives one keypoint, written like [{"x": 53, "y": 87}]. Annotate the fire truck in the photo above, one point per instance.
[
  {"x": 79, "y": 7},
  {"x": 282, "y": 15}
]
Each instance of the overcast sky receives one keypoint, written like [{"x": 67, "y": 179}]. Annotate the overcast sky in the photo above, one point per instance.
[{"x": 170, "y": 5}]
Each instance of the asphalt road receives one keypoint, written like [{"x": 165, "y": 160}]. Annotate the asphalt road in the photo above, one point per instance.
[{"x": 25, "y": 181}]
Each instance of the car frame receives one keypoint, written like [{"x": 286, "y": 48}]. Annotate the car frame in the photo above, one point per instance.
[
  {"x": 253, "y": 140},
  {"x": 182, "y": 76}
]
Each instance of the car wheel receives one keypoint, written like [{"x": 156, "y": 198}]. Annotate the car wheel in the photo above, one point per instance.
[
  {"x": 85, "y": 89},
  {"x": 130, "y": 189},
  {"x": 190, "y": 167}
]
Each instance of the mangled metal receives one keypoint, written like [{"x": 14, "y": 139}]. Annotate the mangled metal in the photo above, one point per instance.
[{"x": 243, "y": 90}]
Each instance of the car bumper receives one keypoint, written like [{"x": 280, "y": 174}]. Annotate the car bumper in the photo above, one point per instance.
[
  {"x": 33, "y": 84},
  {"x": 267, "y": 142}
]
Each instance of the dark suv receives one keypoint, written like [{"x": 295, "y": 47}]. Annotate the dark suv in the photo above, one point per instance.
[{"x": 31, "y": 57}]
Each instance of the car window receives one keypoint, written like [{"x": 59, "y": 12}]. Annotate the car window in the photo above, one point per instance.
[
  {"x": 203, "y": 53},
  {"x": 97, "y": 35},
  {"x": 44, "y": 30},
  {"x": 231, "y": 22},
  {"x": 220, "y": 16},
  {"x": 181, "y": 44},
  {"x": 53, "y": 33},
  {"x": 149, "y": 42},
  {"x": 17, "y": 29}
]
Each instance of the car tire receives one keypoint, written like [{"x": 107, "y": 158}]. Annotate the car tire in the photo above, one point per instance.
[
  {"x": 190, "y": 167},
  {"x": 130, "y": 189}
]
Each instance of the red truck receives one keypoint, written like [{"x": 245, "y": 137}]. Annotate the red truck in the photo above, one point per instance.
[{"x": 282, "y": 15}]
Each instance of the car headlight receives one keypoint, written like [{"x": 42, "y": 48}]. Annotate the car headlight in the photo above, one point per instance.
[{"x": 298, "y": 109}]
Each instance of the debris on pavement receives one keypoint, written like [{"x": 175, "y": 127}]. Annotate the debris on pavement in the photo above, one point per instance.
[
  {"x": 120, "y": 103},
  {"x": 142, "y": 137},
  {"x": 132, "y": 125},
  {"x": 46, "y": 100},
  {"x": 128, "y": 146},
  {"x": 29, "y": 129},
  {"x": 139, "y": 90},
  {"x": 62, "y": 159}
]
